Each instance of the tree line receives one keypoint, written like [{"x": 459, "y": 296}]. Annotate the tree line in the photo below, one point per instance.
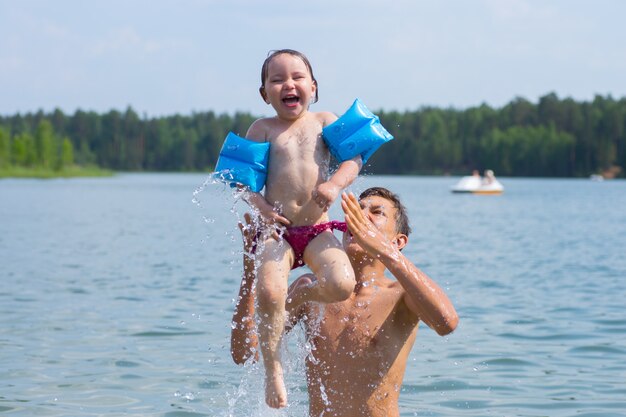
[
  {"x": 41, "y": 148},
  {"x": 551, "y": 138}
]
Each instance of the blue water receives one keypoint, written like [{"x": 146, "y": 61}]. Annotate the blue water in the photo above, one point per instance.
[{"x": 116, "y": 296}]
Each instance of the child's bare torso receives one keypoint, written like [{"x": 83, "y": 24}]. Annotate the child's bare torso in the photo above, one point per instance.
[{"x": 298, "y": 163}]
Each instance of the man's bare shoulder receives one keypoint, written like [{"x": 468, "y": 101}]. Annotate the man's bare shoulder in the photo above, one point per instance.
[
  {"x": 382, "y": 292},
  {"x": 397, "y": 291}
]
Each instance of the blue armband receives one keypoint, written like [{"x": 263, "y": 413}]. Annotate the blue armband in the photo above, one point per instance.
[
  {"x": 243, "y": 161},
  {"x": 357, "y": 132}
]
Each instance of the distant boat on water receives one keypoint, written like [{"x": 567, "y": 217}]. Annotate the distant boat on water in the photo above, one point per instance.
[{"x": 474, "y": 184}]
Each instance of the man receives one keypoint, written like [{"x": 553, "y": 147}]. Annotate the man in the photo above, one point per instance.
[{"x": 360, "y": 345}]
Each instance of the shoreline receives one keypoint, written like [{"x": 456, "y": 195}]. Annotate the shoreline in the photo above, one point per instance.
[{"x": 41, "y": 173}]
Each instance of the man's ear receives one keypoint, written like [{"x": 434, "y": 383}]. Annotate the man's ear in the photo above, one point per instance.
[
  {"x": 263, "y": 94},
  {"x": 401, "y": 240}
]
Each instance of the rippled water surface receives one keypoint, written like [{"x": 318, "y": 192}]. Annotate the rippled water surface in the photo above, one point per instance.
[{"x": 116, "y": 296}]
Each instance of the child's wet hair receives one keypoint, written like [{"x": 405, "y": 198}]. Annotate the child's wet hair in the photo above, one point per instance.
[{"x": 292, "y": 52}]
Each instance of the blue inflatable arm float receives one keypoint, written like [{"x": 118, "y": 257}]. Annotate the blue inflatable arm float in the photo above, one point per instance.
[
  {"x": 357, "y": 132},
  {"x": 243, "y": 161}
]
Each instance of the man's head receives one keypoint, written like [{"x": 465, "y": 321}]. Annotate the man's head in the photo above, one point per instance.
[
  {"x": 400, "y": 216},
  {"x": 384, "y": 209}
]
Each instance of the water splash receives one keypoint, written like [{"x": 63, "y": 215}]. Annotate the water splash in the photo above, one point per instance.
[
  {"x": 211, "y": 180},
  {"x": 248, "y": 397}
]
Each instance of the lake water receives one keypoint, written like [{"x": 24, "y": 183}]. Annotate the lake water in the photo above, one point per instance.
[{"x": 116, "y": 296}]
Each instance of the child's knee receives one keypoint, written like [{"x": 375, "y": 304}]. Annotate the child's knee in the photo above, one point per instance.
[
  {"x": 271, "y": 295},
  {"x": 339, "y": 289}
]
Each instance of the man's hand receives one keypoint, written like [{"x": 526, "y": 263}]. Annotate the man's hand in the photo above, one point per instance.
[
  {"x": 248, "y": 233},
  {"x": 372, "y": 240},
  {"x": 274, "y": 221},
  {"x": 271, "y": 216},
  {"x": 325, "y": 194}
]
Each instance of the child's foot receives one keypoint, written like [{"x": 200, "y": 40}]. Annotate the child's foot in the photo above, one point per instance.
[{"x": 275, "y": 391}]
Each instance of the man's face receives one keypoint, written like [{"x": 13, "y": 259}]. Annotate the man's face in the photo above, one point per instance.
[{"x": 381, "y": 212}]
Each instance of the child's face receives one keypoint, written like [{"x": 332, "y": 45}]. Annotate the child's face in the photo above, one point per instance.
[{"x": 289, "y": 87}]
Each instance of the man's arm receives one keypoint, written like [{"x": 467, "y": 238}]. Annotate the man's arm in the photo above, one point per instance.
[
  {"x": 422, "y": 295},
  {"x": 243, "y": 337}
]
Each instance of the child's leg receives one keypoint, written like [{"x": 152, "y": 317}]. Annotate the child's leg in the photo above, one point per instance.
[
  {"x": 330, "y": 264},
  {"x": 275, "y": 263}
]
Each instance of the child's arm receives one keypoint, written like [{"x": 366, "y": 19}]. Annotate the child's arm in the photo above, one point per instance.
[
  {"x": 243, "y": 338},
  {"x": 327, "y": 192}
]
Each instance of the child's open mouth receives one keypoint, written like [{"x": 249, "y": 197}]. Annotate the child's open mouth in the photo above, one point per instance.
[{"x": 291, "y": 100}]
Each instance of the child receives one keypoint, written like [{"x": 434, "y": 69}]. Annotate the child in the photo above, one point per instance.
[{"x": 298, "y": 193}]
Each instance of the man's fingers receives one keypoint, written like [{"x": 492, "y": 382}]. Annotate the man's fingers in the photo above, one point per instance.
[
  {"x": 360, "y": 224},
  {"x": 283, "y": 220},
  {"x": 351, "y": 201},
  {"x": 355, "y": 203},
  {"x": 349, "y": 223},
  {"x": 321, "y": 203},
  {"x": 354, "y": 207},
  {"x": 247, "y": 227},
  {"x": 350, "y": 212}
]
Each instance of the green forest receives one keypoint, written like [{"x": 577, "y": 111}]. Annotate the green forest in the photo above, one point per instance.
[{"x": 551, "y": 138}]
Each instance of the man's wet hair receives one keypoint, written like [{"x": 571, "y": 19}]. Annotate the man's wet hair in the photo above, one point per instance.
[
  {"x": 272, "y": 54},
  {"x": 402, "y": 220}
]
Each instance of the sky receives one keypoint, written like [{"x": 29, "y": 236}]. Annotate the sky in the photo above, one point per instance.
[{"x": 165, "y": 57}]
